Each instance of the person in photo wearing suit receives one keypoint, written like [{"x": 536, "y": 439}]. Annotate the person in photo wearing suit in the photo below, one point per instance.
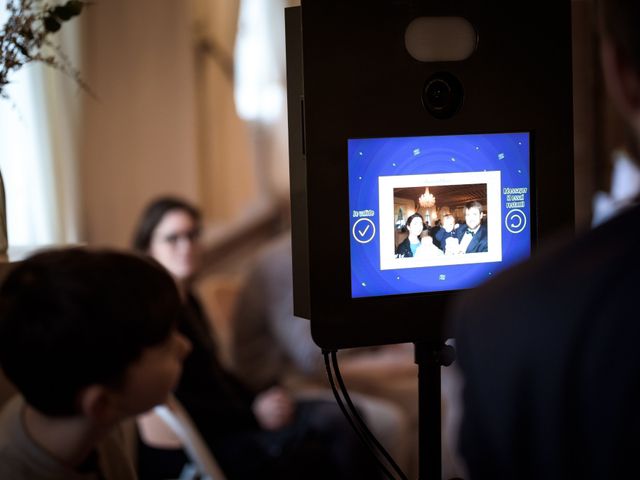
[{"x": 472, "y": 234}]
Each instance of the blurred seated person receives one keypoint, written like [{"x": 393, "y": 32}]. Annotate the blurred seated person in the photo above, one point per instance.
[
  {"x": 271, "y": 345},
  {"x": 472, "y": 234},
  {"x": 407, "y": 248},
  {"x": 447, "y": 229},
  {"x": 89, "y": 339},
  {"x": 252, "y": 434}
]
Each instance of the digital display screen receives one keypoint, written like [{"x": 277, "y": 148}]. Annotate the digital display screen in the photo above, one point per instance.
[{"x": 437, "y": 213}]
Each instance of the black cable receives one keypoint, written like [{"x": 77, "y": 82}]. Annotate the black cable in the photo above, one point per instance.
[
  {"x": 345, "y": 412},
  {"x": 360, "y": 421}
]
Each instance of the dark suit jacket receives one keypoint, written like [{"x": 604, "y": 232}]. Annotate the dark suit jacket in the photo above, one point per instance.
[
  {"x": 550, "y": 352},
  {"x": 479, "y": 242}
]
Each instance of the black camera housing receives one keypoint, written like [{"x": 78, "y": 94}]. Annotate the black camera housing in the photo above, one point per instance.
[
  {"x": 349, "y": 76},
  {"x": 442, "y": 95}
]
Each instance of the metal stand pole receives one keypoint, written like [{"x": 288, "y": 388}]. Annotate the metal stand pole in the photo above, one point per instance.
[{"x": 430, "y": 357}]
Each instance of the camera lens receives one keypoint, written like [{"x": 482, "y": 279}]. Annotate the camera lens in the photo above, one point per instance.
[
  {"x": 438, "y": 93},
  {"x": 442, "y": 95}
]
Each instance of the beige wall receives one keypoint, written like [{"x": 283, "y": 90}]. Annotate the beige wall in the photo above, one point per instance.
[
  {"x": 228, "y": 174},
  {"x": 165, "y": 120},
  {"x": 140, "y": 133}
]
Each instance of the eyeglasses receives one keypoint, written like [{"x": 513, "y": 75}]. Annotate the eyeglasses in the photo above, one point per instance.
[{"x": 190, "y": 235}]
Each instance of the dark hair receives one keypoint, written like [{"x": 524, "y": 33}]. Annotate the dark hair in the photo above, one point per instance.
[
  {"x": 474, "y": 204},
  {"x": 411, "y": 217},
  {"x": 152, "y": 216},
  {"x": 620, "y": 21},
  {"x": 72, "y": 318}
]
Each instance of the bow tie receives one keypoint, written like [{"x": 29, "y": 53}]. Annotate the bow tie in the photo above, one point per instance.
[{"x": 470, "y": 232}]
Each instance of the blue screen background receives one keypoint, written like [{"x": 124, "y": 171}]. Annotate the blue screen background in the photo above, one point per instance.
[{"x": 371, "y": 158}]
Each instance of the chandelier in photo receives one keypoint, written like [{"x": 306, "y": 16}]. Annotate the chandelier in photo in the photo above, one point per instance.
[{"x": 427, "y": 200}]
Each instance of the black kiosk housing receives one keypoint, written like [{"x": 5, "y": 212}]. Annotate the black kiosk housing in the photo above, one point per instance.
[{"x": 350, "y": 76}]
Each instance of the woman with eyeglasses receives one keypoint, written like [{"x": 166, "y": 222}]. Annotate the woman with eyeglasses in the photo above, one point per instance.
[
  {"x": 169, "y": 230},
  {"x": 253, "y": 435}
]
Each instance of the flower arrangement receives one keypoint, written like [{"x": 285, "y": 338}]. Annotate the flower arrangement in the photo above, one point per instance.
[{"x": 25, "y": 37}]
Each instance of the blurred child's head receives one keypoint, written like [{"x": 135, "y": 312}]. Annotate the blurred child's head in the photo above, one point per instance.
[{"x": 90, "y": 333}]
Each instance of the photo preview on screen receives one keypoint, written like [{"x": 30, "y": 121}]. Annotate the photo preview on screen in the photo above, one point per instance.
[{"x": 437, "y": 213}]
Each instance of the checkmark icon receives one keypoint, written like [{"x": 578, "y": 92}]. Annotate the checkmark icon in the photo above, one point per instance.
[{"x": 364, "y": 232}]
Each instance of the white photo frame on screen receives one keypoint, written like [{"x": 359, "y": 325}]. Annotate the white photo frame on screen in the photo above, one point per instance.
[{"x": 386, "y": 186}]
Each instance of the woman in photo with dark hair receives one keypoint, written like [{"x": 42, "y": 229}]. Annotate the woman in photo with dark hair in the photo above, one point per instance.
[{"x": 409, "y": 246}]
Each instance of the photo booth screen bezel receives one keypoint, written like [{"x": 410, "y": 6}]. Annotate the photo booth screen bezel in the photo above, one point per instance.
[
  {"x": 497, "y": 165},
  {"x": 358, "y": 81}
]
